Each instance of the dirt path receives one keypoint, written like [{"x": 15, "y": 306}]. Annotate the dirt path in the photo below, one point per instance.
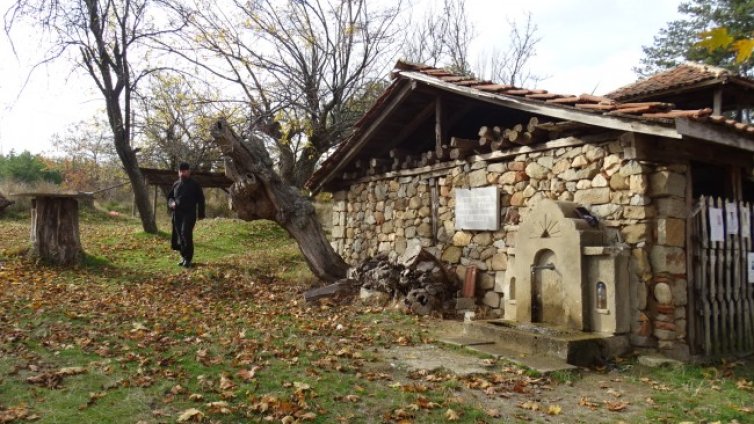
[{"x": 579, "y": 396}]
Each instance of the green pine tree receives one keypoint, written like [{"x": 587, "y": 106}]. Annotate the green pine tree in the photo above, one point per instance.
[{"x": 679, "y": 40}]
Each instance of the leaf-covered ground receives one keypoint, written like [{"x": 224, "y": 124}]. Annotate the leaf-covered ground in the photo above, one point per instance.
[{"x": 131, "y": 337}]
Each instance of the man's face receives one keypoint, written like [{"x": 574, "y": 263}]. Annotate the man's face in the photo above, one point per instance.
[{"x": 184, "y": 173}]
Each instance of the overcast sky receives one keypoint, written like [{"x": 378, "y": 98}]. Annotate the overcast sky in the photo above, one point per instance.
[{"x": 587, "y": 46}]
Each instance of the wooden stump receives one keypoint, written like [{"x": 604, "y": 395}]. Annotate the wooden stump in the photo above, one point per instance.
[
  {"x": 4, "y": 203},
  {"x": 55, "y": 230}
]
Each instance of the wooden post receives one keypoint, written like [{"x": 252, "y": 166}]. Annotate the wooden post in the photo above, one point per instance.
[
  {"x": 154, "y": 203},
  {"x": 717, "y": 102},
  {"x": 691, "y": 286},
  {"x": 439, "y": 129},
  {"x": 435, "y": 200}
]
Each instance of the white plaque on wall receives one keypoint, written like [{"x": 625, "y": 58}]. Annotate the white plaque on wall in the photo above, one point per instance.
[
  {"x": 478, "y": 209},
  {"x": 750, "y": 267}
]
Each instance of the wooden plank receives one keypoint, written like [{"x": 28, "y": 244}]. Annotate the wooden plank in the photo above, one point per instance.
[
  {"x": 737, "y": 280},
  {"x": 554, "y": 111},
  {"x": 713, "y": 285},
  {"x": 401, "y": 95},
  {"x": 730, "y": 312},
  {"x": 748, "y": 288},
  {"x": 439, "y": 121},
  {"x": 341, "y": 288},
  {"x": 705, "y": 275},
  {"x": 693, "y": 129},
  {"x": 434, "y": 204},
  {"x": 716, "y": 286},
  {"x": 656, "y": 149},
  {"x": 415, "y": 122},
  {"x": 691, "y": 265}
]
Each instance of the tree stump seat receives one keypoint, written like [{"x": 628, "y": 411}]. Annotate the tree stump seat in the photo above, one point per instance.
[{"x": 55, "y": 227}]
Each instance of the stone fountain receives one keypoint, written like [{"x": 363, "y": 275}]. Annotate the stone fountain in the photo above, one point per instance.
[{"x": 566, "y": 291}]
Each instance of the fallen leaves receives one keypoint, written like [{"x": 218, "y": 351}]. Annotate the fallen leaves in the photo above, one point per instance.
[
  {"x": 248, "y": 374},
  {"x": 452, "y": 415},
  {"x": 13, "y": 414},
  {"x": 744, "y": 384},
  {"x": 554, "y": 410},
  {"x": 190, "y": 415},
  {"x": 240, "y": 327},
  {"x": 616, "y": 406},
  {"x": 54, "y": 380}
]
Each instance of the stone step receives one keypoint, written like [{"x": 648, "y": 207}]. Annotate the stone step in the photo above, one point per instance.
[
  {"x": 574, "y": 347},
  {"x": 540, "y": 363}
]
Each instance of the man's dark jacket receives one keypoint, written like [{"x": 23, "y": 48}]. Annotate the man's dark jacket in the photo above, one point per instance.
[{"x": 189, "y": 200}]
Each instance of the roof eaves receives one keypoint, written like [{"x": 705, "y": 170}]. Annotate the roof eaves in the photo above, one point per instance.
[{"x": 549, "y": 109}]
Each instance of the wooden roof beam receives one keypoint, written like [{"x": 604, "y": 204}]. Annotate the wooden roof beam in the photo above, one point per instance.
[
  {"x": 400, "y": 96},
  {"x": 692, "y": 129},
  {"x": 539, "y": 108}
]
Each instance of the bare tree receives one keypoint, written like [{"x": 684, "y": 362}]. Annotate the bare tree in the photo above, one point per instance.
[
  {"x": 442, "y": 38},
  {"x": 88, "y": 140},
  {"x": 511, "y": 66},
  {"x": 299, "y": 66},
  {"x": 174, "y": 119},
  {"x": 101, "y": 37}
]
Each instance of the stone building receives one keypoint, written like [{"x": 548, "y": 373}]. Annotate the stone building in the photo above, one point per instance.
[{"x": 610, "y": 193}]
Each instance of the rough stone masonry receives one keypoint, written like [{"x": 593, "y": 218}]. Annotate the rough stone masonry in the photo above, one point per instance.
[{"x": 646, "y": 201}]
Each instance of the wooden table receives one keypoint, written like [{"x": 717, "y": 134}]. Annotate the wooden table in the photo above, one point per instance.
[{"x": 55, "y": 227}]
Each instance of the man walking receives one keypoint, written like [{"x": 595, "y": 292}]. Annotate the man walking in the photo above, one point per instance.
[{"x": 184, "y": 199}]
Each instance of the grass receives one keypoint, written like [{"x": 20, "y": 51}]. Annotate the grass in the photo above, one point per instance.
[
  {"x": 697, "y": 393},
  {"x": 150, "y": 335}
]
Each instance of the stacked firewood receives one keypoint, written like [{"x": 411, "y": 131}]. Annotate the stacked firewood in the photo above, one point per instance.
[
  {"x": 491, "y": 138},
  {"x": 418, "y": 278}
]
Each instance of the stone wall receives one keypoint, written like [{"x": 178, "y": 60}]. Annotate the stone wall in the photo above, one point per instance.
[{"x": 644, "y": 200}]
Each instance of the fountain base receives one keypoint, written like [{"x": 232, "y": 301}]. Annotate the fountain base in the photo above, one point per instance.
[{"x": 573, "y": 346}]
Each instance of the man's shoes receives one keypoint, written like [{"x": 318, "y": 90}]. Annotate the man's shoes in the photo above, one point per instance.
[
  {"x": 182, "y": 262},
  {"x": 188, "y": 264}
]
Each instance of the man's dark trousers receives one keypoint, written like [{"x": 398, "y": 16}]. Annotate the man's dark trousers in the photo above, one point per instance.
[
  {"x": 188, "y": 200},
  {"x": 183, "y": 234}
]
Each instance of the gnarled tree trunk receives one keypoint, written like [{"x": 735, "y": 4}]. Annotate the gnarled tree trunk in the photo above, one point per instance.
[
  {"x": 259, "y": 193},
  {"x": 4, "y": 203}
]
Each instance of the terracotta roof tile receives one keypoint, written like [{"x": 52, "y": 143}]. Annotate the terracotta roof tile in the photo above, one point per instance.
[
  {"x": 687, "y": 74},
  {"x": 725, "y": 122},
  {"x": 609, "y": 105}
]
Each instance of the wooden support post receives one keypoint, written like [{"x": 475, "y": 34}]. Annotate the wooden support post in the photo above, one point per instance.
[
  {"x": 717, "y": 102},
  {"x": 154, "y": 203},
  {"x": 435, "y": 201},
  {"x": 439, "y": 121}
]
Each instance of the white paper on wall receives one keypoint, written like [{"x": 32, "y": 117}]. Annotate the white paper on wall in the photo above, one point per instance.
[
  {"x": 750, "y": 267},
  {"x": 746, "y": 222},
  {"x": 716, "y": 225},
  {"x": 731, "y": 217}
]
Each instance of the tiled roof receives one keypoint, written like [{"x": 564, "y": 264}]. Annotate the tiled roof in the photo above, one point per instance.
[
  {"x": 598, "y": 104},
  {"x": 659, "y": 113},
  {"x": 732, "y": 124},
  {"x": 688, "y": 74}
]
